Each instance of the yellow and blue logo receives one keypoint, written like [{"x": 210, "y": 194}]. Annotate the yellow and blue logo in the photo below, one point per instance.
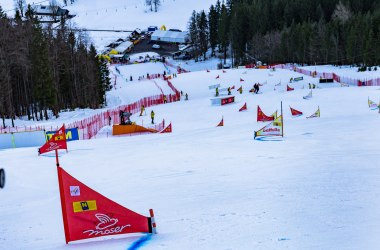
[{"x": 83, "y": 206}]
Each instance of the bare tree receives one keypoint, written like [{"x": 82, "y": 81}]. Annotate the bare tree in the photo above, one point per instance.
[
  {"x": 149, "y": 3},
  {"x": 20, "y": 5},
  {"x": 156, "y": 3}
]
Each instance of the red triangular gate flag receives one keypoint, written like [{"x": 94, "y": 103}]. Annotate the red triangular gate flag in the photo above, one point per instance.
[
  {"x": 295, "y": 112},
  {"x": 221, "y": 123},
  {"x": 224, "y": 71},
  {"x": 261, "y": 117},
  {"x": 233, "y": 87},
  {"x": 243, "y": 108},
  {"x": 242, "y": 80},
  {"x": 289, "y": 88},
  {"x": 208, "y": 70},
  {"x": 168, "y": 129},
  {"x": 88, "y": 214},
  {"x": 57, "y": 141},
  {"x": 217, "y": 77}
]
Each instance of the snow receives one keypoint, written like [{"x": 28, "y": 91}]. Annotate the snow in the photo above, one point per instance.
[
  {"x": 215, "y": 187},
  {"x": 210, "y": 187},
  {"x": 347, "y": 71},
  {"x": 124, "y": 15}
]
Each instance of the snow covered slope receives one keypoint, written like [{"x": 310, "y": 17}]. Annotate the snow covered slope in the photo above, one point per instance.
[
  {"x": 124, "y": 15},
  {"x": 215, "y": 187}
]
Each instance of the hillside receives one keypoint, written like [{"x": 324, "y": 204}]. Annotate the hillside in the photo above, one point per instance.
[
  {"x": 124, "y": 15},
  {"x": 317, "y": 187},
  {"x": 215, "y": 187}
]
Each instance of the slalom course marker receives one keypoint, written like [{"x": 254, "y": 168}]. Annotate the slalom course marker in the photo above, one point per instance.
[
  {"x": 261, "y": 117},
  {"x": 274, "y": 128},
  {"x": 208, "y": 70},
  {"x": 242, "y": 80},
  {"x": 57, "y": 141},
  {"x": 289, "y": 88},
  {"x": 217, "y": 77},
  {"x": 153, "y": 220},
  {"x": 221, "y": 123},
  {"x": 240, "y": 89},
  {"x": 2, "y": 178},
  {"x": 308, "y": 96},
  {"x": 372, "y": 105},
  {"x": 243, "y": 108},
  {"x": 295, "y": 113},
  {"x": 315, "y": 114},
  {"x": 168, "y": 129},
  {"x": 88, "y": 214}
]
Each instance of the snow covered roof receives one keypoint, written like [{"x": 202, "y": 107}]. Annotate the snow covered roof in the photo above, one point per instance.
[
  {"x": 124, "y": 46},
  {"x": 168, "y": 36}
]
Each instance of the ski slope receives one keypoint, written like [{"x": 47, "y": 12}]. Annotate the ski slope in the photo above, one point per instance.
[
  {"x": 215, "y": 187},
  {"x": 126, "y": 15}
]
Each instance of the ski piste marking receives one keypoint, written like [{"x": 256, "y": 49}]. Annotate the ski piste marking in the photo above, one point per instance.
[{"x": 140, "y": 242}]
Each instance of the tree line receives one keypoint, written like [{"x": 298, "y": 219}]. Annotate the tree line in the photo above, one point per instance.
[
  {"x": 45, "y": 70},
  {"x": 282, "y": 31}
]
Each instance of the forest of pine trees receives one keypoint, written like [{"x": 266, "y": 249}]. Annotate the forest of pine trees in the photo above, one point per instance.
[
  {"x": 282, "y": 31},
  {"x": 44, "y": 71}
]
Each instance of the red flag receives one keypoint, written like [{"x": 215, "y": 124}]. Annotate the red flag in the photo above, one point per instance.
[
  {"x": 208, "y": 70},
  {"x": 233, "y": 87},
  {"x": 261, "y": 117},
  {"x": 57, "y": 141},
  {"x": 295, "y": 112},
  {"x": 241, "y": 80},
  {"x": 168, "y": 129},
  {"x": 224, "y": 71},
  {"x": 289, "y": 88},
  {"x": 221, "y": 123},
  {"x": 88, "y": 214},
  {"x": 243, "y": 108},
  {"x": 217, "y": 77}
]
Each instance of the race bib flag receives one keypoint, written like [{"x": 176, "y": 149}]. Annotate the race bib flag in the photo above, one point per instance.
[
  {"x": 316, "y": 114},
  {"x": 261, "y": 117},
  {"x": 275, "y": 128},
  {"x": 57, "y": 141},
  {"x": 88, "y": 214},
  {"x": 295, "y": 113}
]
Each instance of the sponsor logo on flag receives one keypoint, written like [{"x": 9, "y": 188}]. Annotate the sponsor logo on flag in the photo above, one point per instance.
[
  {"x": 74, "y": 191},
  {"x": 107, "y": 225},
  {"x": 83, "y": 206}
]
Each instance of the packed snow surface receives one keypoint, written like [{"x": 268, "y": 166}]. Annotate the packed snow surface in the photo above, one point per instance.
[
  {"x": 216, "y": 187},
  {"x": 210, "y": 187}
]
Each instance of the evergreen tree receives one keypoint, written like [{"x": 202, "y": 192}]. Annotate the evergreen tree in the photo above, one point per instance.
[
  {"x": 203, "y": 33},
  {"x": 213, "y": 21},
  {"x": 223, "y": 31},
  {"x": 194, "y": 34}
]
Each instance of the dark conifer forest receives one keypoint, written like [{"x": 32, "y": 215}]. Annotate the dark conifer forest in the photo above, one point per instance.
[
  {"x": 290, "y": 31},
  {"x": 46, "y": 68}
]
